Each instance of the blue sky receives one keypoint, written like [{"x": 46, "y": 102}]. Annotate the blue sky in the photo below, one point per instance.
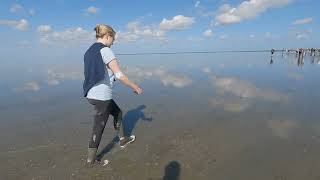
[{"x": 59, "y": 26}]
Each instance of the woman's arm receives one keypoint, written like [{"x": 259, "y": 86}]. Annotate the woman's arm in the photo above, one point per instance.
[{"x": 115, "y": 68}]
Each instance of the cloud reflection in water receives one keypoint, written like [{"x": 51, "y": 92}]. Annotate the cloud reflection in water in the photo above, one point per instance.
[{"x": 245, "y": 89}]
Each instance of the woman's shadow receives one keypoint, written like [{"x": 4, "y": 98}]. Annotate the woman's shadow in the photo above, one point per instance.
[
  {"x": 132, "y": 117},
  {"x": 129, "y": 122}
]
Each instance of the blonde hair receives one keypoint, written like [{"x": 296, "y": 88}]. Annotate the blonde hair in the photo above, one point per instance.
[{"x": 102, "y": 30}]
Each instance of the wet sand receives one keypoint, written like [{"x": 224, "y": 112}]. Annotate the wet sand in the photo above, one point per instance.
[{"x": 204, "y": 144}]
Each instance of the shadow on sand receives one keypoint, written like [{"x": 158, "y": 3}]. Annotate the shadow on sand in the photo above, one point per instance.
[
  {"x": 172, "y": 171},
  {"x": 129, "y": 122},
  {"x": 132, "y": 117}
]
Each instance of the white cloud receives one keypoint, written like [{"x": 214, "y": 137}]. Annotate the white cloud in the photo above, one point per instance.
[
  {"x": 32, "y": 12},
  {"x": 67, "y": 36},
  {"x": 21, "y": 25},
  {"x": 178, "y": 22},
  {"x": 252, "y": 36},
  {"x": 136, "y": 31},
  {"x": 194, "y": 39},
  {"x": 268, "y": 35},
  {"x": 202, "y": 10},
  {"x": 302, "y": 21},
  {"x": 223, "y": 37},
  {"x": 302, "y": 35},
  {"x": 246, "y": 10},
  {"x": 133, "y": 26},
  {"x": 197, "y": 4},
  {"x": 207, "y": 33},
  {"x": 126, "y": 36},
  {"x": 44, "y": 29},
  {"x": 92, "y": 10},
  {"x": 16, "y": 8}
]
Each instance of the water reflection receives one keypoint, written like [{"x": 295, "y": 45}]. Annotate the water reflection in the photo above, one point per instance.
[
  {"x": 176, "y": 80},
  {"x": 231, "y": 105},
  {"x": 51, "y": 77},
  {"x": 282, "y": 128},
  {"x": 213, "y": 117},
  {"x": 28, "y": 86},
  {"x": 315, "y": 59},
  {"x": 295, "y": 76},
  {"x": 54, "y": 77},
  {"x": 271, "y": 60},
  {"x": 206, "y": 70},
  {"x": 167, "y": 78},
  {"x": 245, "y": 89}
]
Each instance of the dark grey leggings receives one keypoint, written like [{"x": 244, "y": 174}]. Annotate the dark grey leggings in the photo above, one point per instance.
[{"x": 102, "y": 111}]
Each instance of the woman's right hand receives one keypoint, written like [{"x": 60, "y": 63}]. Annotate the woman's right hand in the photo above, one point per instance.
[{"x": 137, "y": 90}]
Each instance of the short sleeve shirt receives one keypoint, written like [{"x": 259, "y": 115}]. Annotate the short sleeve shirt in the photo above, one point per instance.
[{"x": 103, "y": 89}]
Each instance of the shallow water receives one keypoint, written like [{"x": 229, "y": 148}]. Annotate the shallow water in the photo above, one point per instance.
[{"x": 202, "y": 116}]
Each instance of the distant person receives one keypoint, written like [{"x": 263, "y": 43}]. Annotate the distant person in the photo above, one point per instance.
[
  {"x": 272, "y": 52},
  {"x": 287, "y": 52},
  {"x": 100, "y": 70},
  {"x": 300, "y": 57},
  {"x": 300, "y": 52}
]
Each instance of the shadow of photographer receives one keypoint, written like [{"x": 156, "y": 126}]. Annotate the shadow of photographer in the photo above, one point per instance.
[{"x": 172, "y": 171}]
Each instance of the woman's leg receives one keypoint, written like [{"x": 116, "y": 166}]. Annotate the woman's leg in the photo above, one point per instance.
[
  {"x": 100, "y": 120},
  {"x": 117, "y": 114}
]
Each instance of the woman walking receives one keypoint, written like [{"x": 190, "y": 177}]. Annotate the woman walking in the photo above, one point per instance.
[{"x": 101, "y": 68}]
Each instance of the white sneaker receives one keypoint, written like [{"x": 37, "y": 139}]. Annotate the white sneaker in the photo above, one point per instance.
[{"x": 124, "y": 141}]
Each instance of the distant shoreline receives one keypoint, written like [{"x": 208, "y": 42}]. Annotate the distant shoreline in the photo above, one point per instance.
[{"x": 200, "y": 52}]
